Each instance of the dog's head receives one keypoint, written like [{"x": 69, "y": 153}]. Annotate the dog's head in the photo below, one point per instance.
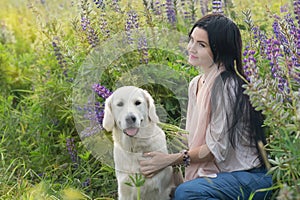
[{"x": 129, "y": 108}]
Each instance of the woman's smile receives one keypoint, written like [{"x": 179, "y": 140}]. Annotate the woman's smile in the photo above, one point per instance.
[{"x": 193, "y": 57}]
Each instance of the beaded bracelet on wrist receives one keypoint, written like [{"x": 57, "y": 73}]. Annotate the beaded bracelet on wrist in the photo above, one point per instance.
[{"x": 186, "y": 158}]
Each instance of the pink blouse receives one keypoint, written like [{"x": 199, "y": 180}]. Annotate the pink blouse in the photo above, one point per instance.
[{"x": 207, "y": 127}]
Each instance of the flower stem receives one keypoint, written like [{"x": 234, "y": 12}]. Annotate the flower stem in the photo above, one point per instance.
[{"x": 138, "y": 191}]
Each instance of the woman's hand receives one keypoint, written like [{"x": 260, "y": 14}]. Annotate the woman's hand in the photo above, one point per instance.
[{"x": 155, "y": 162}]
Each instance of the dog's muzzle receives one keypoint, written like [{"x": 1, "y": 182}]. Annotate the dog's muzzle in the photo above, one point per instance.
[{"x": 131, "y": 123}]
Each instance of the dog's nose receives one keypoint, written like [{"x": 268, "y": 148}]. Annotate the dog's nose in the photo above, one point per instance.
[{"x": 130, "y": 119}]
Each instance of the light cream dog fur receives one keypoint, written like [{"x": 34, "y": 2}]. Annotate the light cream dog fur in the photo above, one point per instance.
[{"x": 131, "y": 116}]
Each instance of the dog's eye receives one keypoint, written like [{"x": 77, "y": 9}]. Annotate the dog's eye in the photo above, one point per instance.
[
  {"x": 120, "y": 104},
  {"x": 137, "y": 103}
]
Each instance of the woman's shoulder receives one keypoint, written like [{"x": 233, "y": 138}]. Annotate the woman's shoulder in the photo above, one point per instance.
[{"x": 194, "y": 80}]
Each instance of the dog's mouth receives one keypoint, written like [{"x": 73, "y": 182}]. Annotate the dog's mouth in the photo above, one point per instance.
[{"x": 131, "y": 131}]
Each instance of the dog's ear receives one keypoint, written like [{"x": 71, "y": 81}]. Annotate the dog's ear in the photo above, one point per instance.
[
  {"x": 151, "y": 107},
  {"x": 108, "y": 119}
]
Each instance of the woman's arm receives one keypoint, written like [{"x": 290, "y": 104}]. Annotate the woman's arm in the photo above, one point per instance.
[
  {"x": 157, "y": 160},
  {"x": 200, "y": 154}
]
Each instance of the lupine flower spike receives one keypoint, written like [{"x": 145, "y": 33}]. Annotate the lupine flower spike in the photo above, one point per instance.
[
  {"x": 217, "y": 6},
  {"x": 170, "y": 10},
  {"x": 72, "y": 149},
  {"x": 131, "y": 24},
  {"x": 103, "y": 93}
]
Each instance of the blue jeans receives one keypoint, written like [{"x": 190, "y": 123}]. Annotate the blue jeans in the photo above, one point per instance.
[{"x": 227, "y": 185}]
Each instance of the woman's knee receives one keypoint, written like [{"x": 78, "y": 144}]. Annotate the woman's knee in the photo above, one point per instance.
[
  {"x": 181, "y": 192},
  {"x": 189, "y": 190},
  {"x": 194, "y": 189}
]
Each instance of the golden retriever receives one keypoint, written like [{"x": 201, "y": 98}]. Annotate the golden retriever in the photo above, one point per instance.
[{"x": 131, "y": 116}]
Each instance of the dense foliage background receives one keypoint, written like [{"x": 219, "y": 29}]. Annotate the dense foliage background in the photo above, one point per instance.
[{"x": 44, "y": 43}]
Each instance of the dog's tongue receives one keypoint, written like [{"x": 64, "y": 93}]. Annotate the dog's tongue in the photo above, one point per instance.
[{"x": 131, "y": 131}]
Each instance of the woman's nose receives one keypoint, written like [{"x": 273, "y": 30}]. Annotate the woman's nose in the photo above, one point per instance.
[{"x": 191, "y": 47}]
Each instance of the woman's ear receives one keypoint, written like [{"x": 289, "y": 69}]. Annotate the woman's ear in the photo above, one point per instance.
[
  {"x": 108, "y": 120},
  {"x": 151, "y": 107}
]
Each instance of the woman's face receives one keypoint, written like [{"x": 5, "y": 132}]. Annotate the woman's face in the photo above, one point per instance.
[{"x": 199, "y": 51}]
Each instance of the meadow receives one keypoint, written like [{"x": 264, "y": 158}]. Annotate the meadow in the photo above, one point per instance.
[{"x": 59, "y": 61}]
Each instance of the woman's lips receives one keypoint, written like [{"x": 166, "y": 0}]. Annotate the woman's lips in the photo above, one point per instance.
[{"x": 193, "y": 57}]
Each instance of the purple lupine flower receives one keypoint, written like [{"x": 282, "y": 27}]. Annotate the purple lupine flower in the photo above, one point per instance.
[
  {"x": 90, "y": 131},
  {"x": 157, "y": 7},
  {"x": 298, "y": 42},
  {"x": 85, "y": 23},
  {"x": 91, "y": 34},
  {"x": 187, "y": 15},
  {"x": 92, "y": 37},
  {"x": 72, "y": 149},
  {"x": 99, "y": 111},
  {"x": 170, "y": 10},
  {"x": 273, "y": 55},
  {"x": 297, "y": 10},
  {"x": 294, "y": 68},
  {"x": 284, "y": 8},
  {"x": 187, "y": 10},
  {"x": 255, "y": 31},
  {"x": 142, "y": 47},
  {"x": 294, "y": 49},
  {"x": 250, "y": 68},
  {"x": 260, "y": 38},
  {"x": 280, "y": 36},
  {"x": 103, "y": 26},
  {"x": 183, "y": 10},
  {"x": 88, "y": 112},
  {"x": 291, "y": 50},
  {"x": 131, "y": 24},
  {"x": 132, "y": 20},
  {"x": 104, "y": 93},
  {"x": 99, "y": 3},
  {"x": 193, "y": 12},
  {"x": 116, "y": 6},
  {"x": 276, "y": 28},
  {"x": 217, "y": 6},
  {"x": 291, "y": 27},
  {"x": 95, "y": 111},
  {"x": 59, "y": 57},
  {"x": 101, "y": 91}
]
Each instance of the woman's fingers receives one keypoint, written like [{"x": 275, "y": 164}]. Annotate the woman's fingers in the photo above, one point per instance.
[
  {"x": 153, "y": 164},
  {"x": 146, "y": 171}
]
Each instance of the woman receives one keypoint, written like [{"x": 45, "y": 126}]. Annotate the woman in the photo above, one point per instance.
[{"x": 223, "y": 160}]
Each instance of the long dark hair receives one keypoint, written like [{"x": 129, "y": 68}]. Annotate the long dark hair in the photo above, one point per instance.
[{"x": 226, "y": 45}]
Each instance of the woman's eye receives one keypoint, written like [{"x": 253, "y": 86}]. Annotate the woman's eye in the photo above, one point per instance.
[
  {"x": 137, "y": 103},
  {"x": 202, "y": 45}
]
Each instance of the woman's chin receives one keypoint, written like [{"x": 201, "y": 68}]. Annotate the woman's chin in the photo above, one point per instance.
[{"x": 193, "y": 62}]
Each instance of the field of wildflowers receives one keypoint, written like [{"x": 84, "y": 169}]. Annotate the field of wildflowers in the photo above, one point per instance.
[{"x": 59, "y": 61}]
